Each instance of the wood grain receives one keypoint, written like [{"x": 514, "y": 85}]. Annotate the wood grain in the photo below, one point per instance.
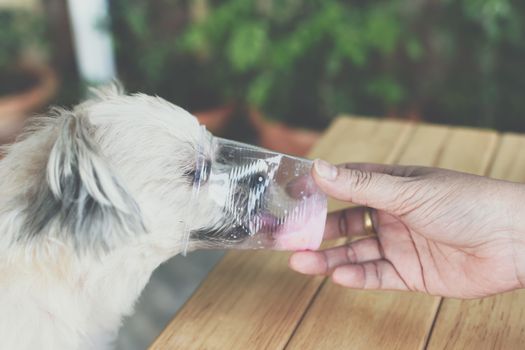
[
  {"x": 251, "y": 299},
  {"x": 345, "y": 319},
  {"x": 362, "y": 140},
  {"x": 497, "y": 322}
]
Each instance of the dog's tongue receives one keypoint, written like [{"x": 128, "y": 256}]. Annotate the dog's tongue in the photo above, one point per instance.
[{"x": 302, "y": 229}]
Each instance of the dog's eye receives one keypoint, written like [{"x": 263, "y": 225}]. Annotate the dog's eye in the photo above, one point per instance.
[
  {"x": 199, "y": 175},
  {"x": 257, "y": 179}
]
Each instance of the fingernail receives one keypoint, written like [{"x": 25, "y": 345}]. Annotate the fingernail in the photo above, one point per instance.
[{"x": 325, "y": 170}]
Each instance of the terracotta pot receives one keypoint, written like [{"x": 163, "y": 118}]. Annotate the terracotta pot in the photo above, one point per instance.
[
  {"x": 413, "y": 114},
  {"x": 216, "y": 119},
  {"x": 280, "y": 137},
  {"x": 17, "y": 107}
]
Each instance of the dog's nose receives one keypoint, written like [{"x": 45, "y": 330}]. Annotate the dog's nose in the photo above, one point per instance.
[{"x": 272, "y": 197}]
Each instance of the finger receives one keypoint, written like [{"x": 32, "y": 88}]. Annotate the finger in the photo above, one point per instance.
[
  {"x": 377, "y": 190},
  {"x": 347, "y": 223},
  {"x": 389, "y": 169},
  {"x": 379, "y": 274},
  {"x": 323, "y": 262}
]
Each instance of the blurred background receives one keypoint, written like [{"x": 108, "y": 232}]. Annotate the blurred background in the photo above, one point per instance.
[{"x": 271, "y": 72}]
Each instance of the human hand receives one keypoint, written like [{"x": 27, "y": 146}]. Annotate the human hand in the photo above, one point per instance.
[{"x": 438, "y": 231}]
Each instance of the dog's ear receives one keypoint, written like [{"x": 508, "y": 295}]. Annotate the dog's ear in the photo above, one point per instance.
[{"x": 81, "y": 194}]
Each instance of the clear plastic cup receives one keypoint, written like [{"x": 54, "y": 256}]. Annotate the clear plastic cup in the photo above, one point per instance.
[{"x": 255, "y": 198}]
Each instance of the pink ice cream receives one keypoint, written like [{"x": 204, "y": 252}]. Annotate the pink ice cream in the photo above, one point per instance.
[{"x": 306, "y": 231}]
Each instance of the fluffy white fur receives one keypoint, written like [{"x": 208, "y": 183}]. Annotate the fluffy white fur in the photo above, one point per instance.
[{"x": 90, "y": 205}]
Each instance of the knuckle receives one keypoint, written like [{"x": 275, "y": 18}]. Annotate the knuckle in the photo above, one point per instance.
[
  {"x": 422, "y": 196},
  {"x": 404, "y": 201},
  {"x": 373, "y": 278},
  {"x": 364, "y": 279},
  {"x": 378, "y": 276},
  {"x": 343, "y": 223},
  {"x": 407, "y": 198},
  {"x": 351, "y": 254},
  {"x": 359, "y": 178}
]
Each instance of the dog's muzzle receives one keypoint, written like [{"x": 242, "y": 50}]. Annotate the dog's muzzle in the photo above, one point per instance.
[{"x": 267, "y": 199}]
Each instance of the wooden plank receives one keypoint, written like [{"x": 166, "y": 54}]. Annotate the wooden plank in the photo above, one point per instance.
[
  {"x": 426, "y": 146},
  {"x": 370, "y": 140},
  {"x": 335, "y": 131},
  {"x": 509, "y": 163},
  {"x": 248, "y": 301},
  {"x": 358, "y": 139},
  {"x": 341, "y": 318},
  {"x": 496, "y": 322},
  {"x": 469, "y": 150},
  {"x": 251, "y": 299}
]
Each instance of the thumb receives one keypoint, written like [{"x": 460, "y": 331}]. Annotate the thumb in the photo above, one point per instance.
[{"x": 358, "y": 184}]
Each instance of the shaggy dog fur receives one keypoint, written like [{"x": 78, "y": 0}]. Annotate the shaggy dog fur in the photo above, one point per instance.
[{"x": 90, "y": 205}]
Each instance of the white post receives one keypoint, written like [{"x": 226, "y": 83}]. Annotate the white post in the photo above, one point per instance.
[{"x": 93, "y": 44}]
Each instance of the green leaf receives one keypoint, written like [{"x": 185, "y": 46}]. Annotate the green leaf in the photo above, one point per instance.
[
  {"x": 386, "y": 89},
  {"x": 382, "y": 30},
  {"x": 193, "y": 40},
  {"x": 259, "y": 89},
  {"x": 246, "y": 46},
  {"x": 137, "y": 19},
  {"x": 414, "y": 49},
  {"x": 20, "y": 29}
]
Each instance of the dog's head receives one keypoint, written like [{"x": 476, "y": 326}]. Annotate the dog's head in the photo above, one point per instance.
[{"x": 120, "y": 169}]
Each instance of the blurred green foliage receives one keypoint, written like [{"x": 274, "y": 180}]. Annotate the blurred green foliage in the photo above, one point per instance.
[
  {"x": 305, "y": 61},
  {"x": 19, "y": 29},
  {"x": 146, "y": 36},
  {"x": 292, "y": 58}
]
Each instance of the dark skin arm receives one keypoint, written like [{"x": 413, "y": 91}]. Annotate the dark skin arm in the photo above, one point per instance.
[{"x": 438, "y": 231}]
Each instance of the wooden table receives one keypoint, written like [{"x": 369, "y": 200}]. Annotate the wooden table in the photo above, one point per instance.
[{"x": 251, "y": 300}]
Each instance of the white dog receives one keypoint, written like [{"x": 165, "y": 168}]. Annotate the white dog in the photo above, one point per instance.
[{"x": 91, "y": 202}]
